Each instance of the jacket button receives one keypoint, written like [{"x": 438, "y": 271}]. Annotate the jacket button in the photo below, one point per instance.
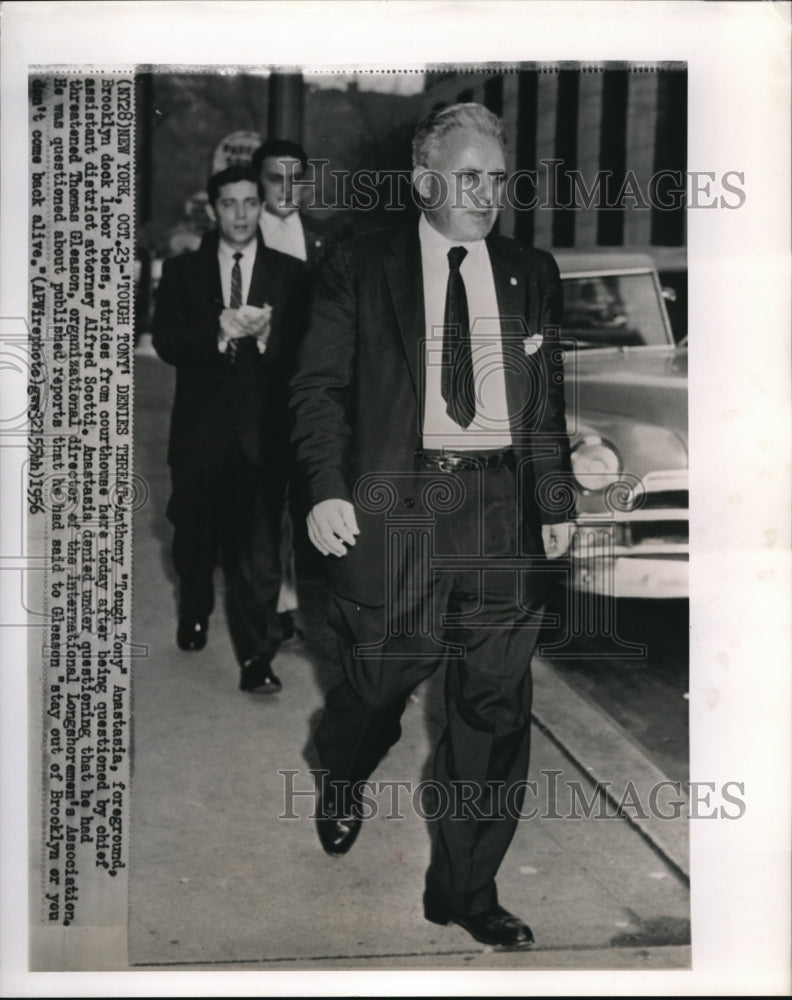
[{"x": 409, "y": 502}]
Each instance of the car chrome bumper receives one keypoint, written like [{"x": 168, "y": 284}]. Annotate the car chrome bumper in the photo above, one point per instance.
[
  {"x": 640, "y": 551},
  {"x": 631, "y": 576}
]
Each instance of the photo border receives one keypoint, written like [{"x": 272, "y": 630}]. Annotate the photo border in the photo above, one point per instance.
[{"x": 739, "y": 368}]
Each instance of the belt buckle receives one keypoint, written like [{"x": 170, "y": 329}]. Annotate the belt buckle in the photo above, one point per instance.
[{"x": 448, "y": 463}]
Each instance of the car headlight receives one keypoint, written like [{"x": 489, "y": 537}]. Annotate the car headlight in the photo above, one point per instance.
[{"x": 595, "y": 464}]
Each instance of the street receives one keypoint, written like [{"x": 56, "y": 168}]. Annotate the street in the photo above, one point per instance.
[{"x": 645, "y": 692}]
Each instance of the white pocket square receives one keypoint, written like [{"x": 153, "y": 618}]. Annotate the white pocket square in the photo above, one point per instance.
[{"x": 532, "y": 344}]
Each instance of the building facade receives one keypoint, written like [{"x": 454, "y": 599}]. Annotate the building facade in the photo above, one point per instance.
[{"x": 598, "y": 150}]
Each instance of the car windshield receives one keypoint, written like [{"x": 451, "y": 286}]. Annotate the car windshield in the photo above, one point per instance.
[{"x": 618, "y": 310}]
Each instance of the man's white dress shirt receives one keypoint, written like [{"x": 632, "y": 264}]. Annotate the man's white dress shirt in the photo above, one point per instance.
[
  {"x": 490, "y": 426},
  {"x": 225, "y": 258},
  {"x": 286, "y": 235}
]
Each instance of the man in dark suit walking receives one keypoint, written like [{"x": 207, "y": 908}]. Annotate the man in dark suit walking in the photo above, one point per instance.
[
  {"x": 228, "y": 316},
  {"x": 429, "y": 427}
]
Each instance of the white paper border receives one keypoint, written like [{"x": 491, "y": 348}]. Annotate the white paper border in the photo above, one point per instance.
[{"x": 739, "y": 85}]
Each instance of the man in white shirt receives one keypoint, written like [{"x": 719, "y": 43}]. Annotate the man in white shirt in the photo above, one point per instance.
[
  {"x": 282, "y": 166},
  {"x": 228, "y": 317},
  {"x": 429, "y": 429}
]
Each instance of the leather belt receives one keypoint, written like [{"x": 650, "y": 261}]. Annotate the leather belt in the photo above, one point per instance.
[{"x": 456, "y": 461}]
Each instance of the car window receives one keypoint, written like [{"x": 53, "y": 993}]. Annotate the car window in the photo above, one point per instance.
[{"x": 621, "y": 310}]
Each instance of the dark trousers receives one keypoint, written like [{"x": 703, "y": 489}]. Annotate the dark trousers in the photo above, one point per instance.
[
  {"x": 231, "y": 515},
  {"x": 492, "y": 615}
]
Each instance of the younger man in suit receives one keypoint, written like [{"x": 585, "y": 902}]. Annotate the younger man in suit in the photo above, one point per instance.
[
  {"x": 228, "y": 316},
  {"x": 282, "y": 166}
]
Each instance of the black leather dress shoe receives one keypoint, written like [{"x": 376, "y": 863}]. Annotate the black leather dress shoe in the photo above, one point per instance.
[
  {"x": 191, "y": 633},
  {"x": 337, "y": 832},
  {"x": 258, "y": 678},
  {"x": 496, "y": 927}
]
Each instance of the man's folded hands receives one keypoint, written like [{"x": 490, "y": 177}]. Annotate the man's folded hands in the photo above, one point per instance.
[{"x": 246, "y": 321}]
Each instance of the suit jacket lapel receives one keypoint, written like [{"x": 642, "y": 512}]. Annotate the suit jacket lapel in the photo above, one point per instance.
[
  {"x": 212, "y": 288},
  {"x": 405, "y": 280},
  {"x": 511, "y": 291},
  {"x": 314, "y": 244},
  {"x": 260, "y": 290}
]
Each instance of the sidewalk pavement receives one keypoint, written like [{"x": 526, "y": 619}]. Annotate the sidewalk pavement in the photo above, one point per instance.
[{"x": 219, "y": 881}]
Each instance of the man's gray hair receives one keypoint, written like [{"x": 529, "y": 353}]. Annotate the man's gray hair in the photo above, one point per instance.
[{"x": 440, "y": 122}]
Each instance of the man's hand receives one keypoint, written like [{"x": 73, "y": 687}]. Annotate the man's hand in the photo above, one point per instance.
[
  {"x": 247, "y": 321},
  {"x": 332, "y": 523},
  {"x": 255, "y": 320},
  {"x": 556, "y": 538},
  {"x": 231, "y": 325}
]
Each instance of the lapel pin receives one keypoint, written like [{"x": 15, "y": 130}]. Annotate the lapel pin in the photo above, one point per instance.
[{"x": 512, "y": 281}]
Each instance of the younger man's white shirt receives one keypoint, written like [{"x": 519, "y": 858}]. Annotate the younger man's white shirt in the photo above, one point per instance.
[
  {"x": 225, "y": 258},
  {"x": 286, "y": 235}
]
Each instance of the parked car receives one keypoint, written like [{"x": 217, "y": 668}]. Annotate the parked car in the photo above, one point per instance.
[{"x": 627, "y": 419}]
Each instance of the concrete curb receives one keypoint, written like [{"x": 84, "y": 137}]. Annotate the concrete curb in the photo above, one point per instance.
[{"x": 610, "y": 761}]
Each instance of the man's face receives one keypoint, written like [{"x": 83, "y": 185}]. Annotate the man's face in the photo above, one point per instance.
[
  {"x": 278, "y": 175},
  {"x": 463, "y": 187},
  {"x": 236, "y": 212}
]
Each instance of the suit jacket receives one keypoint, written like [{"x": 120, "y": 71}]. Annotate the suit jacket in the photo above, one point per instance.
[
  {"x": 320, "y": 236},
  {"x": 215, "y": 399},
  {"x": 357, "y": 393}
]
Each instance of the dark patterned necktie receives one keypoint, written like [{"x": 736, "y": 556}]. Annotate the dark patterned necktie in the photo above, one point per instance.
[
  {"x": 244, "y": 347},
  {"x": 456, "y": 385},
  {"x": 236, "y": 283}
]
